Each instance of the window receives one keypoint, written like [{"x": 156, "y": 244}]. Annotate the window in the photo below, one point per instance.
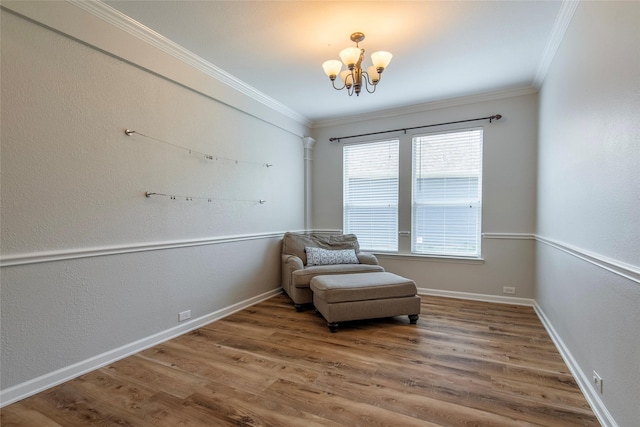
[
  {"x": 370, "y": 194},
  {"x": 447, "y": 193}
]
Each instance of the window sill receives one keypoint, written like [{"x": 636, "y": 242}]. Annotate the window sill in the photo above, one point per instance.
[{"x": 428, "y": 258}]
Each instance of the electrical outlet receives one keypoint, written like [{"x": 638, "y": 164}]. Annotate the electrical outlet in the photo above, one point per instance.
[
  {"x": 184, "y": 315},
  {"x": 598, "y": 382},
  {"x": 508, "y": 290}
]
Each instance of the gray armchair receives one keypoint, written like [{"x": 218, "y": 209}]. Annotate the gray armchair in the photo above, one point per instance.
[{"x": 297, "y": 274}]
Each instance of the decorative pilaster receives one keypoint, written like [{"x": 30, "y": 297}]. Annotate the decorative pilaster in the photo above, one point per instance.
[{"x": 308, "y": 159}]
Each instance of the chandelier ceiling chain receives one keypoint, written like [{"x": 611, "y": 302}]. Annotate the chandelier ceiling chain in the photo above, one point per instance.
[{"x": 354, "y": 76}]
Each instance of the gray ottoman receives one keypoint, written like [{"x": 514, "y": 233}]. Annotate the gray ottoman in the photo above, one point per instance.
[{"x": 360, "y": 296}]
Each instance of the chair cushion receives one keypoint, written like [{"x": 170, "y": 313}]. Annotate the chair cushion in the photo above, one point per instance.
[
  {"x": 294, "y": 243},
  {"x": 302, "y": 278}
]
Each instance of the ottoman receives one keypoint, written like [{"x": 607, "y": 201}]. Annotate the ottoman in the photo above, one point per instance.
[{"x": 343, "y": 297}]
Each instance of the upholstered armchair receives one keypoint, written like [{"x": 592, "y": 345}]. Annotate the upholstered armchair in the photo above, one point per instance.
[{"x": 335, "y": 254}]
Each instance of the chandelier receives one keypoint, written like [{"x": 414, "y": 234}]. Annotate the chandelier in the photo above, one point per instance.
[{"x": 354, "y": 77}]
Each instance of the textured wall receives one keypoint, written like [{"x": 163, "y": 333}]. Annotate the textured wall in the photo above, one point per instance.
[
  {"x": 73, "y": 182},
  {"x": 589, "y": 198},
  {"x": 508, "y": 194}
]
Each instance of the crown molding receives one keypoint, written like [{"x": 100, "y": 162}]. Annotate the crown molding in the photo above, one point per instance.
[
  {"x": 428, "y": 106},
  {"x": 565, "y": 15},
  {"x": 560, "y": 26},
  {"x": 134, "y": 28},
  {"x": 130, "y": 26}
]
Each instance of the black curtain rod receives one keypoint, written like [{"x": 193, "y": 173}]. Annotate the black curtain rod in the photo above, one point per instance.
[{"x": 490, "y": 118}]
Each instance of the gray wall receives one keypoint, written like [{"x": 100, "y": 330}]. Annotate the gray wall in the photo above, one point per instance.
[
  {"x": 509, "y": 183},
  {"x": 588, "y": 274},
  {"x": 89, "y": 263}
]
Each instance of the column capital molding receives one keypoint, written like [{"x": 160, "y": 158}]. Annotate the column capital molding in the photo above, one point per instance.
[{"x": 308, "y": 142}]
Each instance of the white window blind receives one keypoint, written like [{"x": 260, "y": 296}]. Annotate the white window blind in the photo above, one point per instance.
[
  {"x": 447, "y": 193},
  {"x": 370, "y": 194}
]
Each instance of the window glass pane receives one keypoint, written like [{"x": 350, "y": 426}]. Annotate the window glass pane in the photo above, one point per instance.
[
  {"x": 370, "y": 194},
  {"x": 447, "y": 193}
]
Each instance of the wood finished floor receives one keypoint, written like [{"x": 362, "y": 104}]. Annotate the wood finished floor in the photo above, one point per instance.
[{"x": 465, "y": 363}]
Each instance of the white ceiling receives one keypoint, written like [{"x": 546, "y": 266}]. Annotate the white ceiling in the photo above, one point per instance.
[{"x": 441, "y": 49}]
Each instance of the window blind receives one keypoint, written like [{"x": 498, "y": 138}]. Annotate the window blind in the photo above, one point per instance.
[
  {"x": 370, "y": 194},
  {"x": 447, "y": 193}
]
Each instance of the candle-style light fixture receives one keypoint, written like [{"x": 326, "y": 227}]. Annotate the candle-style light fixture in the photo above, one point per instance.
[{"x": 354, "y": 77}]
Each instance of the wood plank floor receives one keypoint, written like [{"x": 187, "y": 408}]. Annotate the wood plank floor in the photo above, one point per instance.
[{"x": 465, "y": 363}]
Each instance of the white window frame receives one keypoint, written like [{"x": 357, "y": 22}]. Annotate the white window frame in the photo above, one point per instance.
[
  {"x": 454, "y": 233},
  {"x": 380, "y": 234}
]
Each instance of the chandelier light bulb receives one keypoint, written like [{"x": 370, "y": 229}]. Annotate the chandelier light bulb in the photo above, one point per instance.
[
  {"x": 373, "y": 74},
  {"x": 347, "y": 78},
  {"x": 381, "y": 59},
  {"x": 332, "y": 68},
  {"x": 350, "y": 56}
]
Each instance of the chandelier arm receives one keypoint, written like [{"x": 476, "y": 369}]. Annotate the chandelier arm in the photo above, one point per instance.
[
  {"x": 333, "y": 82},
  {"x": 368, "y": 82}
]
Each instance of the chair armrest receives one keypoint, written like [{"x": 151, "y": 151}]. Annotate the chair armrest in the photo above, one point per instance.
[
  {"x": 292, "y": 262},
  {"x": 367, "y": 258}
]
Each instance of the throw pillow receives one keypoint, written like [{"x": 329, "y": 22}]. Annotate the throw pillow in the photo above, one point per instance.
[{"x": 319, "y": 256}]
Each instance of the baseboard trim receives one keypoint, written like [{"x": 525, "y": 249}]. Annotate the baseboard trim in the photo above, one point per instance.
[
  {"x": 598, "y": 407},
  {"x": 477, "y": 297},
  {"x": 36, "y": 385},
  {"x": 596, "y": 404}
]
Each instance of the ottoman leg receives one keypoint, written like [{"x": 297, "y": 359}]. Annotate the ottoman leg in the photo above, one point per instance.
[
  {"x": 333, "y": 326},
  {"x": 299, "y": 307},
  {"x": 413, "y": 319}
]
